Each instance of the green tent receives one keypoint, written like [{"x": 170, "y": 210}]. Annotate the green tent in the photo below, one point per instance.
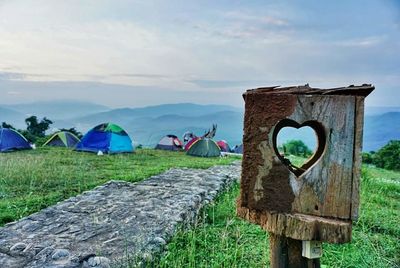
[
  {"x": 62, "y": 139},
  {"x": 204, "y": 148}
]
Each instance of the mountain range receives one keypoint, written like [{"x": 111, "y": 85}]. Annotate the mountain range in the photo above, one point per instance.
[{"x": 147, "y": 125}]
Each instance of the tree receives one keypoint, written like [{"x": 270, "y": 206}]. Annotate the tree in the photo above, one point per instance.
[
  {"x": 388, "y": 156},
  {"x": 5, "y": 125},
  {"x": 368, "y": 158},
  {"x": 73, "y": 131},
  {"x": 296, "y": 147},
  {"x": 36, "y": 128}
]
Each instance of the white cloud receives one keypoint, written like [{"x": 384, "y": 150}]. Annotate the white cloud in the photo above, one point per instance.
[
  {"x": 256, "y": 18},
  {"x": 177, "y": 46},
  {"x": 13, "y": 92},
  {"x": 364, "y": 42}
]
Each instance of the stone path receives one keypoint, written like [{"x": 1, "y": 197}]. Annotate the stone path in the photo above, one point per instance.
[{"x": 113, "y": 223}]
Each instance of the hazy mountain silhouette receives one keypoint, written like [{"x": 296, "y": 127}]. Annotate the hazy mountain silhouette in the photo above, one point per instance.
[
  {"x": 148, "y": 124},
  {"x": 58, "y": 109},
  {"x": 183, "y": 109},
  {"x": 378, "y": 110},
  {"x": 379, "y": 129},
  {"x": 11, "y": 116}
]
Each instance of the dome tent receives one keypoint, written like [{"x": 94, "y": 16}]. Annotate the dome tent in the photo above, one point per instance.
[
  {"x": 224, "y": 146},
  {"x": 190, "y": 143},
  {"x": 11, "y": 140},
  {"x": 205, "y": 148},
  {"x": 238, "y": 149},
  {"x": 169, "y": 142},
  {"x": 106, "y": 138},
  {"x": 62, "y": 139}
]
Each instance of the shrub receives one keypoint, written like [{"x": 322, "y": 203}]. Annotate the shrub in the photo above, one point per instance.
[
  {"x": 367, "y": 158},
  {"x": 296, "y": 147},
  {"x": 388, "y": 156}
]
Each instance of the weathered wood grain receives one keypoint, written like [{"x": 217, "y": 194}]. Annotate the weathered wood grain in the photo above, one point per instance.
[
  {"x": 292, "y": 201},
  {"x": 325, "y": 188},
  {"x": 299, "y": 226},
  {"x": 358, "y": 138},
  {"x": 363, "y": 90}
]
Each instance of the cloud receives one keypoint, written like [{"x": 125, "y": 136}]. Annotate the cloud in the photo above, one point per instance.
[
  {"x": 140, "y": 75},
  {"x": 11, "y": 76},
  {"x": 196, "y": 47},
  {"x": 364, "y": 42},
  {"x": 13, "y": 92},
  {"x": 254, "y": 18},
  {"x": 220, "y": 83},
  {"x": 254, "y": 25}
]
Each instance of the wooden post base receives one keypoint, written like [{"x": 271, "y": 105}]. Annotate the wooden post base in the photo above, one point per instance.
[{"x": 286, "y": 253}]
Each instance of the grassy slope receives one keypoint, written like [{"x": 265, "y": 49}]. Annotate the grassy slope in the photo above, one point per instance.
[
  {"x": 32, "y": 180},
  {"x": 223, "y": 240}
]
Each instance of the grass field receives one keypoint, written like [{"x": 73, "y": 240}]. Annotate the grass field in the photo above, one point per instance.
[
  {"x": 223, "y": 240},
  {"x": 32, "y": 180},
  {"x": 35, "y": 179}
]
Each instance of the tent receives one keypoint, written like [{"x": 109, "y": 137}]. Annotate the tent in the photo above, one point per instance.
[
  {"x": 169, "y": 142},
  {"x": 224, "y": 146},
  {"x": 204, "y": 148},
  {"x": 62, "y": 139},
  {"x": 106, "y": 138},
  {"x": 11, "y": 140},
  {"x": 238, "y": 149},
  {"x": 187, "y": 146}
]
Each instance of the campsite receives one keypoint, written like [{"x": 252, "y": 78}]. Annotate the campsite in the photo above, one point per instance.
[
  {"x": 66, "y": 166},
  {"x": 53, "y": 168},
  {"x": 199, "y": 134},
  {"x": 67, "y": 163},
  {"x": 39, "y": 178},
  {"x": 36, "y": 179}
]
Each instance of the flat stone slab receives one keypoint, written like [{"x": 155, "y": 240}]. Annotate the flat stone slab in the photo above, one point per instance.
[{"x": 114, "y": 223}]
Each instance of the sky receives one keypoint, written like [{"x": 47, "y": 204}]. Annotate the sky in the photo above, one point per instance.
[{"x": 145, "y": 52}]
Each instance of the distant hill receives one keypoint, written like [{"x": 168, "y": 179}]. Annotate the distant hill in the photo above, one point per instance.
[
  {"x": 378, "y": 110},
  {"x": 379, "y": 129},
  {"x": 58, "y": 109},
  {"x": 148, "y": 124},
  {"x": 12, "y": 117},
  {"x": 150, "y": 131},
  {"x": 182, "y": 109}
]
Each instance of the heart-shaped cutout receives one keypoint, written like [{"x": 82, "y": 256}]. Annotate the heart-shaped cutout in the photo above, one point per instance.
[{"x": 321, "y": 142}]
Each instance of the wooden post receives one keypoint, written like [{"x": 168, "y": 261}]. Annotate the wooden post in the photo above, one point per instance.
[
  {"x": 301, "y": 206},
  {"x": 286, "y": 253}
]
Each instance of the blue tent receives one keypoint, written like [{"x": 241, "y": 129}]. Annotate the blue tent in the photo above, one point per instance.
[
  {"x": 11, "y": 140},
  {"x": 238, "y": 149},
  {"x": 62, "y": 139},
  {"x": 107, "y": 138}
]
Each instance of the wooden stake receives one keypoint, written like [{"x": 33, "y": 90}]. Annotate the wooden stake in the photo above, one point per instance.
[{"x": 286, "y": 253}]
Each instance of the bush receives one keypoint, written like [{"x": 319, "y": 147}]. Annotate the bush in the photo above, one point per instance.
[
  {"x": 388, "y": 156},
  {"x": 367, "y": 158},
  {"x": 296, "y": 147},
  {"x": 42, "y": 140}
]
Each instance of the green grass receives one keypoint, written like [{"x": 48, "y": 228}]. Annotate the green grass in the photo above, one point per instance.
[
  {"x": 223, "y": 240},
  {"x": 32, "y": 180},
  {"x": 35, "y": 179},
  {"x": 376, "y": 234}
]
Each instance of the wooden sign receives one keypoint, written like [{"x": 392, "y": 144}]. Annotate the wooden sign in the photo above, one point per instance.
[{"x": 318, "y": 200}]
